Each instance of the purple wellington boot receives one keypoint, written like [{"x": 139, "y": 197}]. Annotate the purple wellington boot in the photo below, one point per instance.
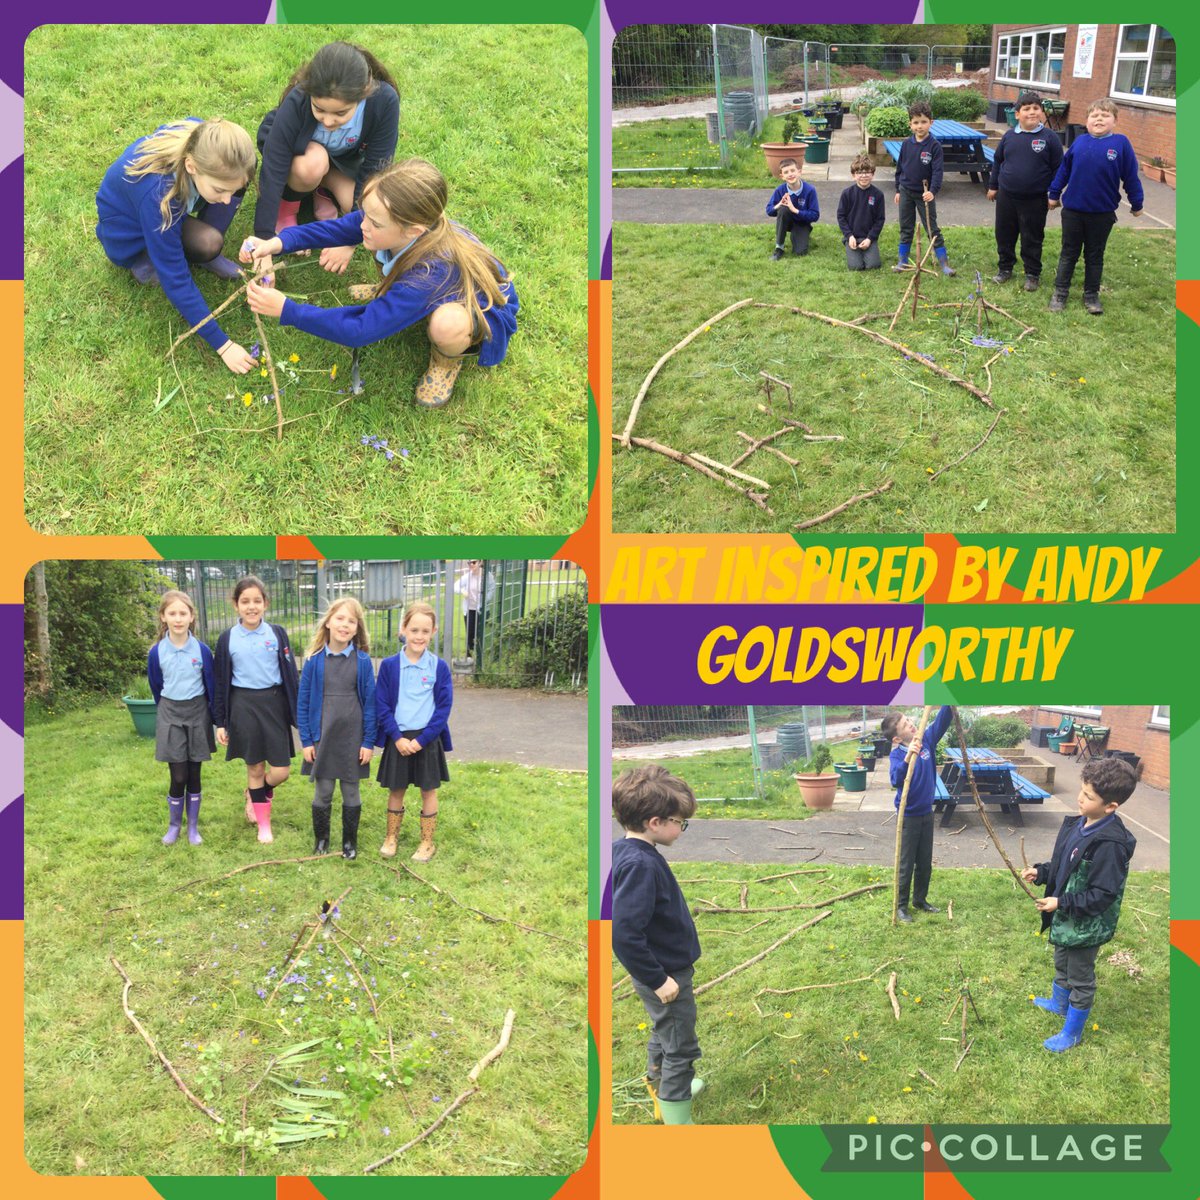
[
  {"x": 174, "y": 820},
  {"x": 193, "y": 818}
]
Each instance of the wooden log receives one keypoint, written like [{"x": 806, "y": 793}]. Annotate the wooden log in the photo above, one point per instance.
[
  {"x": 833, "y": 512},
  {"x": 686, "y": 460},
  {"x": 891, "y": 991}
]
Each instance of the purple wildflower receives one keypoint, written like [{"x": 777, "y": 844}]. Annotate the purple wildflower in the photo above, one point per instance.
[
  {"x": 403, "y": 453},
  {"x": 389, "y": 455},
  {"x": 366, "y": 441}
]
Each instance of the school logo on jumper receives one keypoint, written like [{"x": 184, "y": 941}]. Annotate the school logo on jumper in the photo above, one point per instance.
[
  {"x": 1112, "y": 154},
  {"x": 268, "y": 644},
  {"x": 351, "y": 140},
  {"x": 871, "y": 201},
  {"x": 1039, "y": 144},
  {"x": 926, "y": 157}
]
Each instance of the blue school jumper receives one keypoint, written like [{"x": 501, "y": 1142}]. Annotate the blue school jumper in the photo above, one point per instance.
[
  {"x": 387, "y": 693},
  {"x": 1092, "y": 172},
  {"x": 312, "y": 693}
]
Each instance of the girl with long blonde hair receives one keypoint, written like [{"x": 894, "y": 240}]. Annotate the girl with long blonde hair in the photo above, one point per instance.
[
  {"x": 167, "y": 202},
  {"x": 431, "y": 269}
]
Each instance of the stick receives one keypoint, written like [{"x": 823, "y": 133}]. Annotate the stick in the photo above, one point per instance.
[
  {"x": 1024, "y": 860},
  {"x": 931, "y": 1079},
  {"x": 270, "y": 862},
  {"x": 872, "y": 887},
  {"x": 912, "y": 762},
  {"x": 758, "y": 443},
  {"x": 962, "y": 741},
  {"x": 963, "y": 1055},
  {"x": 760, "y": 879},
  {"x": 497, "y": 1050},
  {"x": 266, "y": 347},
  {"x": 717, "y": 466},
  {"x": 762, "y": 953},
  {"x": 950, "y": 911},
  {"x": 787, "y": 458},
  {"x": 625, "y": 437},
  {"x": 962, "y": 1041},
  {"x": 964, "y": 457},
  {"x": 162, "y": 1058},
  {"x": 810, "y": 987},
  {"x": 679, "y": 457},
  {"x": 891, "y": 991},
  {"x": 745, "y": 892},
  {"x": 351, "y": 964},
  {"x": 783, "y": 383},
  {"x": 868, "y": 317},
  {"x": 459, "y": 1101},
  {"x": 841, "y": 508}
]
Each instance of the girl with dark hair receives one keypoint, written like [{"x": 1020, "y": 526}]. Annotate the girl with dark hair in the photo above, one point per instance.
[{"x": 335, "y": 126}]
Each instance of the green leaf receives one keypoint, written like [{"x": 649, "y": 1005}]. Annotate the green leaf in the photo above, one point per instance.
[
  {"x": 291, "y": 1051},
  {"x": 166, "y": 399},
  {"x": 981, "y": 505},
  {"x": 297, "y": 1091}
]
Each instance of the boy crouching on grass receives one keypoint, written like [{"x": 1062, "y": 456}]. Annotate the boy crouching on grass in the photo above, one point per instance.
[
  {"x": 795, "y": 207},
  {"x": 1084, "y": 880},
  {"x": 653, "y": 933},
  {"x": 861, "y": 213}
]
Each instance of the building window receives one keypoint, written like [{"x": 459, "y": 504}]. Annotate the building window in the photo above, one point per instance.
[
  {"x": 1034, "y": 58},
  {"x": 1145, "y": 64},
  {"x": 1160, "y": 716},
  {"x": 1074, "y": 710}
]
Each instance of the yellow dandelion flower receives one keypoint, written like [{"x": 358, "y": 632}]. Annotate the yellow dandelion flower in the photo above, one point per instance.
[
  {"x": 855, "y": 1033},
  {"x": 263, "y": 372},
  {"x": 872, "y": 1120},
  {"x": 928, "y": 470},
  {"x": 214, "y": 1005},
  {"x": 906, "y": 1089},
  {"x": 1095, "y": 1026},
  {"x": 846, "y": 1038},
  {"x": 248, "y": 399},
  {"x": 293, "y": 358},
  {"x": 787, "y": 1016},
  {"x": 333, "y": 371},
  {"x": 1032, "y": 996},
  {"x": 916, "y": 999},
  {"x": 729, "y": 1012},
  {"x": 1082, "y": 380},
  {"x": 641, "y": 1025},
  {"x": 254, "y": 1041},
  {"x": 862, "y": 1057}
]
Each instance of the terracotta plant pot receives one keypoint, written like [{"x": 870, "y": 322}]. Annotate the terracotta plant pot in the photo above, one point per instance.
[
  {"x": 817, "y": 791},
  {"x": 776, "y": 152},
  {"x": 1169, "y": 177},
  {"x": 1068, "y": 748},
  {"x": 1151, "y": 171}
]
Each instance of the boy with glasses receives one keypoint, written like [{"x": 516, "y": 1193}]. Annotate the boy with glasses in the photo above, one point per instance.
[{"x": 861, "y": 213}]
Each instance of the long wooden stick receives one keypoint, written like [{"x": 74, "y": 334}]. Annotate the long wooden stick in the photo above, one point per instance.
[
  {"x": 841, "y": 508},
  {"x": 787, "y": 458},
  {"x": 162, "y": 1058},
  {"x": 459, "y": 1101},
  {"x": 964, "y": 457},
  {"x": 270, "y": 862},
  {"x": 872, "y": 887},
  {"x": 625, "y": 436},
  {"x": 266, "y": 349},
  {"x": 891, "y": 991},
  {"x": 811, "y": 987},
  {"x": 497, "y": 1050},
  {"x": 726, "y": 470},
  {"x": 912, "y": 762},
  {"x": 762, "y": 953},
  {"x": 757, "y": 443},
  {"x": 351, "y": 964},
  {"x": 966, "y": 764},
  {"x": 687, "y": 461}
]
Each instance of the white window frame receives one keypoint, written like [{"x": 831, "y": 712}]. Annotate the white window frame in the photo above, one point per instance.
[
  {"x": 1159, "y": 719},
  {"x": 1148, "y": 58},
  {"x": 1009, "y": 46},
  {"x": 1073, "y": 710}
]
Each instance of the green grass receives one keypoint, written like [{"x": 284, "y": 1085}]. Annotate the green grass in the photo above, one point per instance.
[
  {"x": 837, "y": 1055},
  {"x": 682, "y": 142},
  {"x": 95, "y": 1103},
  {"x": 509, "y": 454},
  {"x": 1073, "y": 454}
]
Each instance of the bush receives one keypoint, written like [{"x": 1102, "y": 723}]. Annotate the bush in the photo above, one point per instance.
[
  {"x": 820, "y": 763},
  {"x": 547, "y": 648},
  {"x": 958, "y": 104},
  {"x": 996, "y": 731},
  {"x": 888, "y": 122},
  {"x": 794, "y": 123}
]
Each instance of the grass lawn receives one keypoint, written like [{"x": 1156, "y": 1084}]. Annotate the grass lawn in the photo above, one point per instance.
[
  {"x": 1073, "y": 454},
  {"x": 683, "y": 142},
  {"x": 509, "y": 454},
  {"x": 838, "y": 1055},
  {"x": 95, "y": 1101}
]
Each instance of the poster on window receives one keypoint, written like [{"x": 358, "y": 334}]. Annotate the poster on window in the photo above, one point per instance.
[{"x": 1085, "y": 49}]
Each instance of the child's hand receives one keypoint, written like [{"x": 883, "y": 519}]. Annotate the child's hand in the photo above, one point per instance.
[
  {"x": 310, "y": 754},
  {"x": 927, "y": 196},
  {"x": 1049, "y": 904},
  {"x": 863, "y": 244},
  {"x": 668, "y": 991},
  {"x": 914, "y": 747},
  {"x": 788, "y": 201},
  {"x": 336, "y": 258},
  {"x": 991, "y": 193},
  {"x": 364, "y": 755},
  {"x": 237, "y": 358},
  {"x": 265, "y": 301},
  {"x": 896, "y": 198},
  {"x": 1052, "y": 204},
  {"x": 853, "y": 243},
  {"x": 256, "y": 250},
  {"x": 1029, "y": 874},
  {"x": 1136, "y": 212},
  {"x": 222, "y": 737}
]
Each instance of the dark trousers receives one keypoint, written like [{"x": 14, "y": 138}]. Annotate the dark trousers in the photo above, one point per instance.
[
  {"x": 1075, "y": 969},
  {"x": 864, "y": 260},
  {"x": 786, "y": 221},
  {"x": 323, "y": 793},
  {"x": 916, "y": 857},
  {"x": 472, "y": 630},
  {"x": 1087, "y": 232},
  {"x": 673, "y": 1047},
  {"x": 912, "y": 206},
  {"x": 1024, "y": 216}
]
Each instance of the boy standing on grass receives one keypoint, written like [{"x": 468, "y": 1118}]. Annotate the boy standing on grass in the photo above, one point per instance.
[
  {"x": 916, "y": 839},
  {"x": 795, "y": 208},
  {"x": 861, "y": 213},
  {"x": 1084, "y": 880},
  {"x": 653, "y": 934},
  {"x": 918, "y": 181},
  {"x": 1026, "y": 162},
  {"x": 1092, "y": 172}
]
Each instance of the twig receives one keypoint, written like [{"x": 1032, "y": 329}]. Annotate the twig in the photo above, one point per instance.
[
  {"x": 745, "y": 892},
  {"x": 964, "y": 457},
  {"x": 270, "y": 862},
  {"x": 777, "y": 829},
  {"x": 266, "y": 349},
  {"x": 950, "y": 911},
  {"x": 497, "y": 1050},
  {"x": 162, "y": 1058},
  {"x": 926, "y": 1075},
  {"x": 762, "y": 953},
  {"x": 687, "y": 461},
  {"x": 954, "y": 832},
  {"x": 912, "y": 762},
  {"x": 182, "y": 389},
  {"x": 868, "y": 317},
  {"x": 833, "y": 512},
  {"x": 1024, "y": 860},
  {"x": 811, "y": 987},
  {"x": 625, "y": 437},
  {"x": 794, "y": 907},
  {"x": 963, "y": 1055},
  {"x": 759, "y": 443},
  {"x": 718, "y": 466},
  {"x": 354, "y": 967},
  {"x": 459, "y": 1101},
  {"x": 891, "y": 991}
]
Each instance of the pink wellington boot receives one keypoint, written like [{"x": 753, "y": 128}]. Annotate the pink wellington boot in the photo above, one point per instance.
[
  {"x": 289, "y": 211},
  {"x": 324, "y": 207},
  {"x": 262, "y": 815}
]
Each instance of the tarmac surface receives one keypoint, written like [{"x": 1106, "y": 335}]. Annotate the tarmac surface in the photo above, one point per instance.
[{"x": 521, "y": 725}]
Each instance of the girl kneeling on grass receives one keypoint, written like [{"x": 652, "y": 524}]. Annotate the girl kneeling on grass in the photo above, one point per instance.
[
  {"x": 431, "y": 269},
  {"x": 167, "y": 202},
  {"x": 412, "y": 699},
  {"x": 256, "y": 699}
]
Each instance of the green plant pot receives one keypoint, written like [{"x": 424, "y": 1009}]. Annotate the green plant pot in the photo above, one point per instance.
[
  {"x": 854, "y": 779},
  {"x": 144, "y": 714},
  {"x": 1054, "y": 740},
  {"x": 816, "y": 150}
]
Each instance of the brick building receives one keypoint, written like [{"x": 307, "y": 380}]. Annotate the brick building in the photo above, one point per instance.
[
  {"x": 1134, "y": 64},
  {"x": 1145, "y": 729}
]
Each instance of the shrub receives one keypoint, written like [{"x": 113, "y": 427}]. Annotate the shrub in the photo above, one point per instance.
[
  {"x": 793, "y": 124},
  {"x": 547, "y": 648},
  {"x": 958, "y": 104},
  {"x": 996, "y": 731},
  {"x": 820, "y": 763},
  {"x": 891, "y": 122}
]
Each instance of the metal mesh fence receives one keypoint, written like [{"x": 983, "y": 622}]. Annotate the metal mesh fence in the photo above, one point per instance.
[
  {"x": 527, "y": 633},
  {"x": 949, "y": 62},
  {"x": 794, "y": 66},
  {"x": 851, "y": 63}
]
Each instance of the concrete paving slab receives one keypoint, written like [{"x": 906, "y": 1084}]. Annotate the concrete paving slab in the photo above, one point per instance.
[{"x": 536, "y": 729}]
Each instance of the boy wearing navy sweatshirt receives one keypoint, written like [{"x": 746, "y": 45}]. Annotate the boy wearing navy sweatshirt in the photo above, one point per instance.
[
  {"x": 794, "y": 206},
  {"x": 653, "y": 934},
  {"x": 1026, "y": 162},
  {"x": 916, "y": 840},
  {"x": 1092, "y": 172},
  {"x": 918, "y": 181},
  {"x": 861, "y": 213}
]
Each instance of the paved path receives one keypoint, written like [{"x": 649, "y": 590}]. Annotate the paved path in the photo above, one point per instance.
[{"x": 537, "y": 729}]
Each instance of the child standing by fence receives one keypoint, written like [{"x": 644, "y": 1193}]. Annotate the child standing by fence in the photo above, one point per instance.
[
  {"x": 335, "y": 714},
  {"x": 180, "y": 670},
  {"x": 255, "y": 705},
  {"x": 413, "y": 698}
]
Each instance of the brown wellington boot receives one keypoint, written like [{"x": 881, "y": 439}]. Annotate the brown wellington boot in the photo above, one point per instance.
[
  {"x": 437, "y": 384},
  {"x": 426, "y": 850},
  {"x": 388, "y": 849},
  {"x": 361, "y": 293}
]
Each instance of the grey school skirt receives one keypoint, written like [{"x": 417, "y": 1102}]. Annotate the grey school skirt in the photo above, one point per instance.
[
  {"x": 260, "y": 728},
  {"x": 183, "y": 730}
]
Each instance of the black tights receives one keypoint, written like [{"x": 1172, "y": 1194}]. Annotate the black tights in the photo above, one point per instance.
[{"x": 184, "y": 775}]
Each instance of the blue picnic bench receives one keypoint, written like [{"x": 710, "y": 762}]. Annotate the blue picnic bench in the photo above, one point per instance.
[
  {"x": 996, "y": 779},
  {"x": 963, "y": 150}
]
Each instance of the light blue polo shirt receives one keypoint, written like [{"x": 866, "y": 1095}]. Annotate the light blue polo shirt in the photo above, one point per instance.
[
  {"x": 345, "y": 138},
  {"x": 414, "y": 706},
  {"x": 342, "y": 653},
  {"x": 255, "y": 655},
  {"x": 182, "y": 669}
]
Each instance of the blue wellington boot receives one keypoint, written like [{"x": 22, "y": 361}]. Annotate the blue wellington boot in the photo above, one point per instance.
[
  {"x": 903, "y": 264},
  {"x": 1056, "y": 1002},
  {"x": 944, "y": 259},
  {"x": 193, "y": 819},
  {"x": 1072, "y": 1031},
  {"x": 174, "y": 820}
]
